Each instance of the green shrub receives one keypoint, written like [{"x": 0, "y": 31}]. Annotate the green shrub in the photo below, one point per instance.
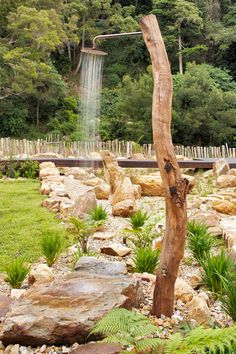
[
  {"x": 51, "y": 246},
  {"x": 146, "y": 260},
  {"x": 138, "y": 219},
  {"x": 200, "y": 241},
  {"x": 83, "y": 229},
  {"x": 29, "y": 169},
  {"x": 17, "y": 272},
  {"x": 135, "y": 332},
  {"x": 229, "y": 299},
  {"x": 217, "y": 270}
]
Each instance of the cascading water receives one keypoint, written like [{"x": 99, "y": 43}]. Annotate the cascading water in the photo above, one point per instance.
[{"x": 90, "y": 86}]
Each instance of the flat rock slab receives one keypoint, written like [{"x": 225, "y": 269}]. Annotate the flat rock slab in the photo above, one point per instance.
[
  {"x": 116, "y": 249},
  {"x": 64, "y": 311},
  {"x": 96, "y": 266},
  {"x": 98, "y": 348}
]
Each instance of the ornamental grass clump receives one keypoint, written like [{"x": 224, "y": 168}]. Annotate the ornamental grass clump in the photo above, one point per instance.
[
  {"x": 228, "y": 300},
  {"x": 17, "y": 271},
  {"x": 138, "y": 219},
  {"x": 98, "y": 216},
  {"x": 146, "y": 260},
  {"x": 200, "y": 241},
  {"x": 51, "y": 247},
  {"x": 217, "y": 271}
]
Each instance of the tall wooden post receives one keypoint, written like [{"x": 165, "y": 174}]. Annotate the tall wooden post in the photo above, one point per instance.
[{"x": 175, "y": 186}]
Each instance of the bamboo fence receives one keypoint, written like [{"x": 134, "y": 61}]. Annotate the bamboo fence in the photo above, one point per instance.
[{"x": 26, "y": 148}]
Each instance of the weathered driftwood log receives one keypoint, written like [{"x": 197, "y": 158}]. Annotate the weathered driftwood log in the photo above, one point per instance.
[{"x": 175, "y": 185}]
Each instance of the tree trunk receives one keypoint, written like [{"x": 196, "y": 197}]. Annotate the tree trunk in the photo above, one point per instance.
[
  {"x": 69, "y": 51},
  {"x": 181, "y": 70},
  {"x": 175, "y": 186},
  {"x": 37, "y": 114}
]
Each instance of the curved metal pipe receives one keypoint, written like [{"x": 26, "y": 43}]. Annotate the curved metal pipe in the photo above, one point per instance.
[{"x": 115, "y": 35}]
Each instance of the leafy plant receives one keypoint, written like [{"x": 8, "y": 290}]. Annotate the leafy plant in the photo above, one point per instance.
[
  {"x": 200, "y": 241},
  {"x": 217, "y": 270},
  {"x": 146, "y": 260},
  {"x": 138, "y": 219},
  {"x": 83, "y": 229},
  {"x": 17, "y": 272},
  {"x": 135, "y": 332},
  {"x": 29, "y": 169},
  {"x": 143, "y": 236},
  {"x": 51, "y": 246},
  {"x": 130, "y": 329}
]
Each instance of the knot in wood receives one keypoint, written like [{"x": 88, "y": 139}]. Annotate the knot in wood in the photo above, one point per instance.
[
  {"x": 164, "y": 271},
  {"x": 168, "y": 166}
]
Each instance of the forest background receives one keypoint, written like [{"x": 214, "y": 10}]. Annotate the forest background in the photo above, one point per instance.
[{"x": 40, "y": 43}]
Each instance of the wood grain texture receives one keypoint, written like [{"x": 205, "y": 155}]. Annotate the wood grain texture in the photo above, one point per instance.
[{"x": 175, "y": 186}]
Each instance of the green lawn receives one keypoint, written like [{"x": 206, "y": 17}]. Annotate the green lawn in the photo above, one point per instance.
[{"x": 23, "y": 220}]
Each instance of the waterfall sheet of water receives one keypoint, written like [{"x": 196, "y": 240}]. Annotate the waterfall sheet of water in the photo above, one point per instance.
[{"x": 90, "y": 86}]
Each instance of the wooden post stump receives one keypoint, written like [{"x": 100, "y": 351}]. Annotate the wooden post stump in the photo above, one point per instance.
[{"x": 175, "y": 186}]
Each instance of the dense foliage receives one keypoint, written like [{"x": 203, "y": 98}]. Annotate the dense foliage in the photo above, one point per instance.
[{"x": 40, "y": 44}]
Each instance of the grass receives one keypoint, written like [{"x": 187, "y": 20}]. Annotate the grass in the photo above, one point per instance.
[{"x": 23, "y": 221}]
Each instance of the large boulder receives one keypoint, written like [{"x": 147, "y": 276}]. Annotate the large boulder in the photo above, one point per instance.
[
  {"x": 152, "y": 185},
  {"x": 224, "y": 207},
  {"x": 198, "y": 310},
  {"x": 78, "y": 173},
  {"x": 102, "y": 191},
  {"x": 123, "y": 200},
  {"x": 220, "y": 167},
  {"x": 83, "y": 196},
  {"x": 54, "y": 203},
  {"x": 65, "y": 310},
  {"x": 183, "y": 290},
  {"x": 40, "y": 273},
  {"x": 116, "y": 249},
  {"x": 232, "y": 172},
  {"x": 114, "y": 173},
  {"x": 49, "y": 171},
  {"x": 46, "y": 164},
  {"x": 226, "y": 181},
  {"x": 208, "y": 218},
  {"x": 5, "y": 302}
]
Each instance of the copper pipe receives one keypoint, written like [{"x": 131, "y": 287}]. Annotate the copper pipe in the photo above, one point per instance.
[{"x": 115, "y": 35}]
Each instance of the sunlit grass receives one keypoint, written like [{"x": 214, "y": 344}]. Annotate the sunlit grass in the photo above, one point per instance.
[{"x": 23, "y": 221}]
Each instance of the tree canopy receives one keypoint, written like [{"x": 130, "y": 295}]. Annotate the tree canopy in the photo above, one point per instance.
[{"x": 40, "y": 43}]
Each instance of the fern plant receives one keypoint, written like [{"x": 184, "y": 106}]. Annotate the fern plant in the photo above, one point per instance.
[
  {"x": 146, "y": 260},
  {"x": 201, "y": 341},
  {"x": 138, "y": 219},
  {"x": 130, "y": 329},
  {"x": 200, "y": 241},
  {"x": 136, "y": 334},
  {"x": 17, "y": 272},
  {"x": 217, "y": 270},
  {"x": 51, "y": 246}
]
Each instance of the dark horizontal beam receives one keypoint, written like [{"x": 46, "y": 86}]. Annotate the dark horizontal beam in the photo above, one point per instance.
[{"x": 127, "y": 163}]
